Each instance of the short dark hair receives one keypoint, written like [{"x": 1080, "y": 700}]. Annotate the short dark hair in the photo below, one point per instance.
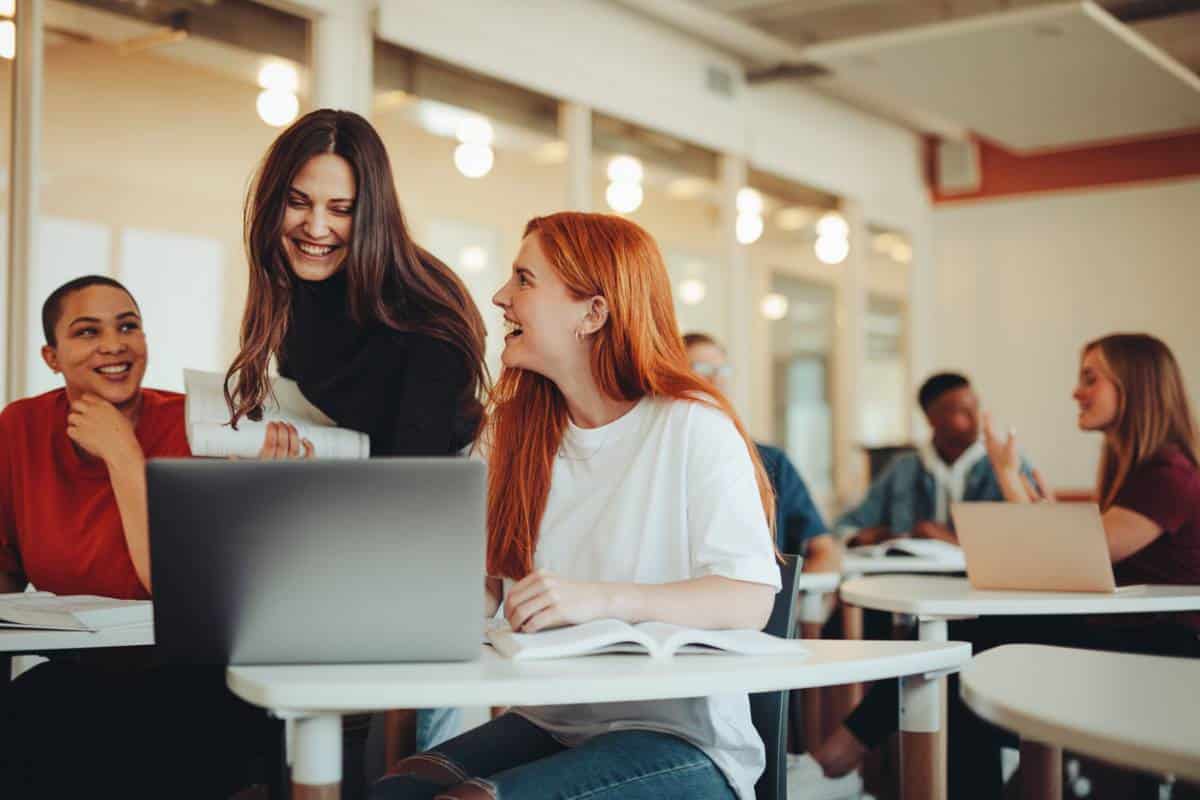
[
  {"x": 695, "y": 337},
  {"x": 52, "y": 308},
  {"x": 937, "y": 385}
]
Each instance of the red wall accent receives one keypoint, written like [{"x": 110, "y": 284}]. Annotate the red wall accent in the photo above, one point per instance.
[{"x": 1004, "y": 173}]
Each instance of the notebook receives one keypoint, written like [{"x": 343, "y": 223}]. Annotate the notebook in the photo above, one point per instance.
[
  {"x": 942, "y": 552},
  {"x": 209, "y": 433},
  {"x": 45, "y": 611},
  {"x": 656, "y": 639}
]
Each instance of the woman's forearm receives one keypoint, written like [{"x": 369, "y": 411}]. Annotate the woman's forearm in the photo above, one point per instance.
[
  {"x": 128, "y": 478},
  {"x": 710, "y": 602}
]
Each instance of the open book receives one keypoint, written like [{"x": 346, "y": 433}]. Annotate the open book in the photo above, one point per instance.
[
  {"x": 657, "y": 639},
  {"x": 45, "y": 611},
  {"x": 933, "y": 549},
  {"x": 209, "y": 432}
]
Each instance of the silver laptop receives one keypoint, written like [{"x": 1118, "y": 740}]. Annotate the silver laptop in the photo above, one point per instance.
[
  {"x": 317, "y": 562},
  {"x": 1053, "y": 547}
]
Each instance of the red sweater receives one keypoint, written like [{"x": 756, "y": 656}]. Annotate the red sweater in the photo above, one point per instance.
[{"x": 59, "y": 523}]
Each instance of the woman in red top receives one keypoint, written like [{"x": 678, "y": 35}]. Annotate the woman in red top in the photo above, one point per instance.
[
  {"x": 72, "y": 461},
  {"x": 73, "y": 520}
]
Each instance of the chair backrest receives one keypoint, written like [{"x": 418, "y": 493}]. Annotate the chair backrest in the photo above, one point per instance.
[{"x": 768, "y": 710}]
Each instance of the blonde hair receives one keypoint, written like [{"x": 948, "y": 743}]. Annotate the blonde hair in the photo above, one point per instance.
[{"x": 1153, "y": 411}]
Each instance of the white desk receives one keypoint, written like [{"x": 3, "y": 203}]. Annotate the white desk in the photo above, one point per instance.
[
  {"x": 936, "y": 599},
  {"x": 853, "y": 565},
  {"x": 21, "y": 641},
  {"x": 1138, "y": 711},
  {"x": 317, "y": 696}
]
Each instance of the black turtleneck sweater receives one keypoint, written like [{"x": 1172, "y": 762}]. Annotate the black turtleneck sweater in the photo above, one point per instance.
[{"x": 404, "y": 390}]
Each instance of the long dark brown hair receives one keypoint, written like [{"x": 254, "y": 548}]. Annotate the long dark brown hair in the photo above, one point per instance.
[
  {"x": 1153, "y": 411},
  {"x": 391, "y": 280}
]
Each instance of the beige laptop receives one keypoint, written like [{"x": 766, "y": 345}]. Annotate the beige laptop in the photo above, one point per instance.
[{"x": 1051, "y": 547}]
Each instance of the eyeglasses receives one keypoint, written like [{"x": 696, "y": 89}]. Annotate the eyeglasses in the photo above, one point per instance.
[{"x": 706, "y": 370}]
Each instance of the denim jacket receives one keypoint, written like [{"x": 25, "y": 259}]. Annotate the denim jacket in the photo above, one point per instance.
[{"x": 904, "y": 495}]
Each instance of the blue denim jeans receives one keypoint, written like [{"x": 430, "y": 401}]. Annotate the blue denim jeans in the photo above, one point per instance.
[{"x": 510, "y": 758}]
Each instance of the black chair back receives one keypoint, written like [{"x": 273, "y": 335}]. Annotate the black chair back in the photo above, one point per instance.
[{"x": 768, "y": 710}]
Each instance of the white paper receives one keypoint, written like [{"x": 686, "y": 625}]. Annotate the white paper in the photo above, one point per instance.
[{"x": 210, "y": 435}]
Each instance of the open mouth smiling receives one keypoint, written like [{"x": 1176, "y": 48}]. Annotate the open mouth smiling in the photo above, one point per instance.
[{"x": 314, "y": 250}]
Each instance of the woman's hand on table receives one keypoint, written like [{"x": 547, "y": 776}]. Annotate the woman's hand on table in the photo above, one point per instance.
[{"x": 543, "y": 600}]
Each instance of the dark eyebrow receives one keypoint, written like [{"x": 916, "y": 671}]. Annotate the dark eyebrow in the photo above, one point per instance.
[
  {"x": 294, "y": 190},
  {"x": 97, "y": 320},
  {"x": 519, "y": 269}
]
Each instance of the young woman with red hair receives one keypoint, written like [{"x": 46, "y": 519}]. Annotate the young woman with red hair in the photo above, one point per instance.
[{"x": 620, "y": 485}]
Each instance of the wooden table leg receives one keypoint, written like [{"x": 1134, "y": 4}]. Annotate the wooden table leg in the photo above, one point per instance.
[
  {"x": 923, "y": 728},
  {"x": 317, "y": 768},
  {"x": 845, "y": 698},
  {"x": 812, "y": 614},
  {"x": 1041, "y": 771}
]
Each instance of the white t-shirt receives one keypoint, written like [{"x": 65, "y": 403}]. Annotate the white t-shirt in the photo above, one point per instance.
[{"x": 665, "y": 493}]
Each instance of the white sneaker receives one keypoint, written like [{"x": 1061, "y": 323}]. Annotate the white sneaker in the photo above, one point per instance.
[{"x": 806, "y": 781}]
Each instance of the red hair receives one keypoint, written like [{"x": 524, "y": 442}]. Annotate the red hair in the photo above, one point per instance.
[{"x": 637, "y": 353}]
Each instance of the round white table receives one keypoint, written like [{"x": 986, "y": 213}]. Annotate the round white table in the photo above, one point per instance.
[
  {"x": 1136, "y": 711},
  {"x": 934, "y": 600}
]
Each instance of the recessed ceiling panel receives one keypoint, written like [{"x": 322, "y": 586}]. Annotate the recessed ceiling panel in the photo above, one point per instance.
[{"x": 1033, "y": 79}]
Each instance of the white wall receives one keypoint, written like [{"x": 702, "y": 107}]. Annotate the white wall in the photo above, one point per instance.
[{"x": 1022, "y": 284}]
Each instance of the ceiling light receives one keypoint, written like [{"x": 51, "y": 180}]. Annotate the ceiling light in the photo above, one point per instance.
[
  {"x": 774, "y": 306},
  {"x": 748, "y": 228},
  {"x": 278, "y": 75},
  {"x": 692, "y": 292},
  {"x": 833, "y": 225},
  {"x": 473, "y": 160},
  {"x": 625, "y": 169},
  {"x": 624, "y": 197},
  {"x": 902, "y": 251},
  {"x": 475, "y": 129},
  {"x": 831, "y": 249},
  {"x": 749, "y": 201},
  {"x": 277, "y": 107},
  {"x": 8, "y": 8}
]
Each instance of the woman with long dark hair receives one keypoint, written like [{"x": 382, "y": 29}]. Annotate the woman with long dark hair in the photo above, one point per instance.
[{"x": 379, "y": 334}]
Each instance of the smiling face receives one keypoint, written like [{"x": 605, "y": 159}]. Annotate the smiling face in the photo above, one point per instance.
[
  {"x": 1096, "y": 393},
  {"x": 547, "y": 327},
  {"x": 319, "y": 217},
  {"x": 99, "y": 347},
  {"x": 954, "y": 417}
]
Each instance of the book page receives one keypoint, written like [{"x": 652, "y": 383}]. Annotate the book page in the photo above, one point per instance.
[
  {"x": 75, "y": 612},
  {"x": 598, "y": 636},
  {"x": 672, "y": 639}
]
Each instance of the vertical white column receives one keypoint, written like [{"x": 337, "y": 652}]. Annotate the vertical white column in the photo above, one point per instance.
[
  {"x": 848, "y": 358},
  {"x": 575, "y": 128},
  {"x": 341, "y": 55},
  {"x": 23, "y": 189},
  {"x": 740, "y": 303}
]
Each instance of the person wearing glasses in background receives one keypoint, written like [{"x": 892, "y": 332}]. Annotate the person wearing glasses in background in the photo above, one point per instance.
[{"x": 799, "y": 528}]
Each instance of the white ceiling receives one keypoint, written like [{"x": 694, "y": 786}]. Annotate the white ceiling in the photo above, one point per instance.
[{"x": 1031, "y": 79}]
